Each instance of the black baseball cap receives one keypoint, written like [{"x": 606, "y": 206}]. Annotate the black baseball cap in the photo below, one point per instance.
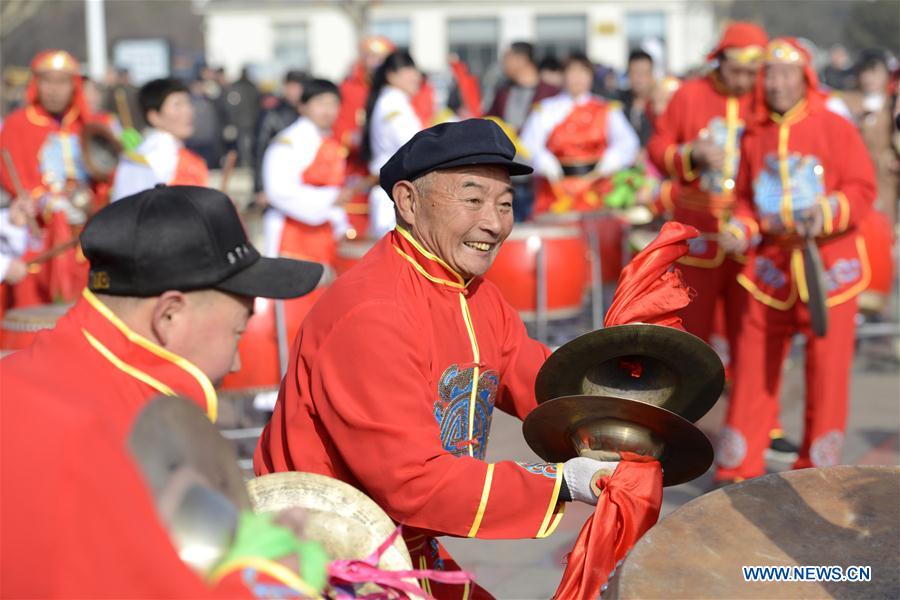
[
  {"x": 463, "y": 143},
  {"x": 184, "y": 238}
]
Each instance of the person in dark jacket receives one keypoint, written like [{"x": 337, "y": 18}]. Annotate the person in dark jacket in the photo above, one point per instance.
[
  {"x": 242, "y": 104},
  {"x": 272, "y": 120}
]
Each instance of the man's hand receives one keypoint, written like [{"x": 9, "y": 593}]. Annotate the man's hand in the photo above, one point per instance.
[
  {"x": 260, "y": 200},
  {"x": 706, "y": 154},
  {"x": 582, "y": 475},
  {"x": 345, "y": 195},
  {"x": 733, "y": 243},
  {"x": 21, "y": 211},
  {"x": 16, "y": 272},
  {"x": 809, "y": 223}
]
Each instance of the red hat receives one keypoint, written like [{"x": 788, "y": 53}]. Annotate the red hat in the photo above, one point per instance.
[
  {"x": 748, "y": 39},
  {"x": 63, "y": 62},
  {"x": 789, "y": 51}
]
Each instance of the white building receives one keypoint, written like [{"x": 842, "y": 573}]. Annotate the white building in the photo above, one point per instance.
[{"x": 320, "y": 36}]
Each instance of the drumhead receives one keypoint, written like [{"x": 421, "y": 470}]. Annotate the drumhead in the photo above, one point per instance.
[
  {"x": 34, "y": 318},
  {"x": 355, "y": 249},
  {"x": 524, "y": 231}
]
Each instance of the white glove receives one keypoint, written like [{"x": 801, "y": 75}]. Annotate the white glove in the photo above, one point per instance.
[{"x": 580, "y": 474}]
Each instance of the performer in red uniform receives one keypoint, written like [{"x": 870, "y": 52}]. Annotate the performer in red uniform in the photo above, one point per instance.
[
  {"x": 804, "y": 173},
  {"x": 395, "y": 372},
  {"x": 41, "y": 140},
  {"x": 158, "y": 318},
  {"x": 696, "y": 142}
]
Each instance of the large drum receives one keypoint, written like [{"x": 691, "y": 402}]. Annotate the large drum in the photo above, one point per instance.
[
  {"x": 260, "y": 367},
  {"x": 21, "y": 325},
  {"x": 566, "y": 267},
  {"x": 828, "y": 517},
  {"x": 610, "y": 231},
  {"x": 349, "y": 252}
]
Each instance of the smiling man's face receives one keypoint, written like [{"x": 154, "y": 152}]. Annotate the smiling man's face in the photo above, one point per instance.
[{"x": 462, "y": 215}]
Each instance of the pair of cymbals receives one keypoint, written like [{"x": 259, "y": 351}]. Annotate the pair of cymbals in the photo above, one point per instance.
[{"x": 635, "y": 387}]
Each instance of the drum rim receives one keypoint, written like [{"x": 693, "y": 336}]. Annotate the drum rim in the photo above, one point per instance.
[{"x": 555, "y": 231}]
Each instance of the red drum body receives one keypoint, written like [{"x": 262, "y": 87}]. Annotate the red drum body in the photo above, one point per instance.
[
  {"x": 610, "y": 230},
  {"x": 349, "y": 252},
  {"x": 260, "y": 367},
  {"x": 21, "y": 325},
  {"x": 566, "y": 266},
  {"x": 876, "y": 232}
]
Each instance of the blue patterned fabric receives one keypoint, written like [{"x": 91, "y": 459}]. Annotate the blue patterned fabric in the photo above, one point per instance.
[
  {"x": 453, "y": 406},
  {"x": 53, "y": 164},
  {"x": 717, "y": 130},
  {"x": 804, "y": 178}
]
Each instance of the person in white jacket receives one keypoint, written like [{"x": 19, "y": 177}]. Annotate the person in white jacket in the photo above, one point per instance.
[
  {"x": 576, "y": 141},
  {"x": 303, "y": 178},
  {"x": 161, "y": 157},
  {"x": 13, "y": 242},
  {"x": 390, "y": 122}
]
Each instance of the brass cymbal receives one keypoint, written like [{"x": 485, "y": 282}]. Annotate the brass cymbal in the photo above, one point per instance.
[
  {"x": 599, "y": 426},
  {"x": 193, "y": 474},
  {"x": 347, "y": 523},
  {"x": 172, "y": 432},
  {"x": 679, "y": 371}
]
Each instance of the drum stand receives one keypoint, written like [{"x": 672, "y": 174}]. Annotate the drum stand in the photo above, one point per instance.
[
  {"x": 596, "y": 258},
  {"x": 281, "y": 336}
]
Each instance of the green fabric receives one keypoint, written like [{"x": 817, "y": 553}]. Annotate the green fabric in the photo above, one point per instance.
[
  {"x": 259, "y": 536},
  {"x": 131, "y": 139},
  {"x": 625, "y": 186}
]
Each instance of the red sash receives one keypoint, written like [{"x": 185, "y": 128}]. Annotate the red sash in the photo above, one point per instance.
[
  {"x": 190, "y": 170},
  {"x": 581, "y": 137}
]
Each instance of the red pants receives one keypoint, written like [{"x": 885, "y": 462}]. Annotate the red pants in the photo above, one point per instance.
[
  {"x": 713, "y": 286},
  {"x": 763, "y": 337}
]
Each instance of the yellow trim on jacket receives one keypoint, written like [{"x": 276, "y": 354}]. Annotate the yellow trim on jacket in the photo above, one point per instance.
[{"x": 212, "y": 400}]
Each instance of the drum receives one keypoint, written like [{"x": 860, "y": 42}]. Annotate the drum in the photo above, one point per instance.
[
  {"x": 610, "y": 230},
  {"x": 260, "y": 368},
  {"x": 349, "y": 252},
  {"x": 21, "y": 325},
  {"x": 876, "y": 232},
  {"x": 566, "y": 266},
  {"x": 842, "y": 516}
]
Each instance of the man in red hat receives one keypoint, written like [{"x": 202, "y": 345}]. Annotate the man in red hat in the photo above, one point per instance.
[
  {"x": 42, "y": 161},
  {"x": 696, "y": 142},
  {"x": 804, "y": 173}
]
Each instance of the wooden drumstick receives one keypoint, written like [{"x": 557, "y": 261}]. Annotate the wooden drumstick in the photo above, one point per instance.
[
  {"x": 52, "y": 252},
  {"x": 122, "y": 109},
  {"x": 227, "y": 168}
]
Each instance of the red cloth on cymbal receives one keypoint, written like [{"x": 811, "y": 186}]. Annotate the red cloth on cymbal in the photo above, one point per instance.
[
  {"x": 628, "y": 506},
  {"x": 649, "y": 291}
]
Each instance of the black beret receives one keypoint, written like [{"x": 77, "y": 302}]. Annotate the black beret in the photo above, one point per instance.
[{"x": 464, "y": 143}]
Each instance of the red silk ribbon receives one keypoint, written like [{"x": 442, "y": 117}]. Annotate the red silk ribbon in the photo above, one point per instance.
[
  {"x": 628, "y": 506},
  {"x": 649, "y": 290}
]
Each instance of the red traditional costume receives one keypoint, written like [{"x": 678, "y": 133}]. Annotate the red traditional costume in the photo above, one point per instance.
[
  {"x": 583, "y": 136},
  {"x": 806, "y": 159},
  {"x": 392, "y": 381},
  {"x": 703, "y": 108},
  {"x": 78, "y": 519},
  {"x": 46, "y": 153}
]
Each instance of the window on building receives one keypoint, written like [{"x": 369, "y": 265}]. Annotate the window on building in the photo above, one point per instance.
[
  {"x": 647, "y": 30},
  {"x": 475, "y": 42},
  {"x": 560, "y": 35},
  {"x": 396, "y": 30},
  {"x": 291, "y": 46}
]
